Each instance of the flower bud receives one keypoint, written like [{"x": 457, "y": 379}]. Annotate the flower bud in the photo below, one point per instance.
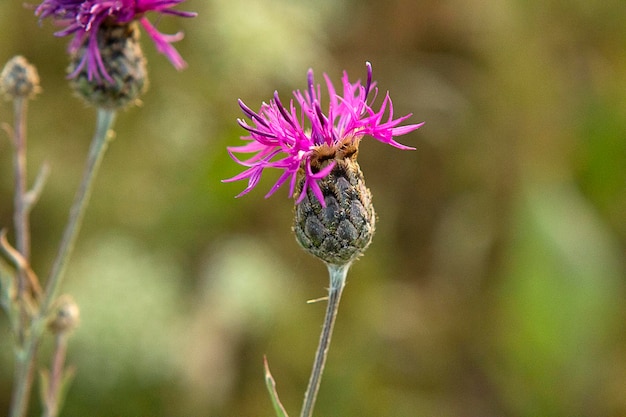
[
  {"x": 65, "y": 315},
  {"x": 125, "y": 75},
  {"x": 19, "y": 79},
  {"x": 340, "y": 232}
]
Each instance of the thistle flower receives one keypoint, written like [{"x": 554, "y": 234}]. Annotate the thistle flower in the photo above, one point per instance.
[
  {"x": 334, "y": 215},
  {"x": 280, "y": 138},
  {"x": 85, "y": 18}
]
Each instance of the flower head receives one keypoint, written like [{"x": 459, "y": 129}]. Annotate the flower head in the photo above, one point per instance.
[
  {"x": 84, "y": 18},
  {"x": 305, "y": 142},
  {"x": 19, "y": 79}
]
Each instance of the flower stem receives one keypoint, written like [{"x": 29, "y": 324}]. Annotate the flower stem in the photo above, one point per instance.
[
  {"x": 96, "y": 153},
  {"x": 337, "y": 282},
  {"x": 20, "y": 216},
  {"x": 55, "y": 378},
  {"x": 23, "y": 369},
  {"x": 25, "y": 355}
]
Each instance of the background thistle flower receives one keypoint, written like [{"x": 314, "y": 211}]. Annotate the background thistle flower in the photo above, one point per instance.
[
  {"x": 83, "y": 18},
  {"x": 108, "y": 67}
]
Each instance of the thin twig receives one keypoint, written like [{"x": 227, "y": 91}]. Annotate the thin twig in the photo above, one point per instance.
[{"x": 317, "y": 300}]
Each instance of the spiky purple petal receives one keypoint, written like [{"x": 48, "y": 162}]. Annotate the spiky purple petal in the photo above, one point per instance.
[
  {"x": 83, "y": 18},
  {"x": 281, "y": 138}
]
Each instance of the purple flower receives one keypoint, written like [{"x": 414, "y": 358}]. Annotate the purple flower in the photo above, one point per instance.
[
  {"x": 280, "y": 138},
  {"x": 83, "y": 18}
]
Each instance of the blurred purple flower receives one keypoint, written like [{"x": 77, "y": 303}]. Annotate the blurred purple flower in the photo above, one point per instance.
[
  {"x": 83, "y": 18},
  {"x": 282, "y": 139}
]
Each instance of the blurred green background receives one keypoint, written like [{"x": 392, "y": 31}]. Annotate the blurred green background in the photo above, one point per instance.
[{"x": 495, "y": 281}]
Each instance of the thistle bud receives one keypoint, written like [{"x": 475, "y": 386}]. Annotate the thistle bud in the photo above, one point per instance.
[
  {"x": 340, "y": 232},
  {"x": 19, "y": 79},
  {"x": 124, "y": 77},
  {"x": 65, "y": 315}
]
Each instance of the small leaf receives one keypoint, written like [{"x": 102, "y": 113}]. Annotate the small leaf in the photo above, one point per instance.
[{"x": 271, "y": 387}]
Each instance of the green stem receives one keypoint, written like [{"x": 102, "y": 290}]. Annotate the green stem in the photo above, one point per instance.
[
  {"x": 81, "y": 200},
  {"x": 20, "y": 216},
  {"x": 55, "y": 378},
  {"x": 337, "y": 282},
  {"x": 26, "y": 357},
  {"x": 23, "y": 370}
]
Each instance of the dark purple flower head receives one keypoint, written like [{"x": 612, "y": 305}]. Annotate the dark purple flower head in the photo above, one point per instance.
[
  {"x": 281, "y": 138},
  {"x": 83, "y": 18}
]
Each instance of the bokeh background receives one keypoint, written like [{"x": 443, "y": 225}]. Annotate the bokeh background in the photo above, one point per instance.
[{"x": 495, "y": 282}]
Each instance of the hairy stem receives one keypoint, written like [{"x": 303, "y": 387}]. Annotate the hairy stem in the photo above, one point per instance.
[{"x": 337, "y": 282}]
